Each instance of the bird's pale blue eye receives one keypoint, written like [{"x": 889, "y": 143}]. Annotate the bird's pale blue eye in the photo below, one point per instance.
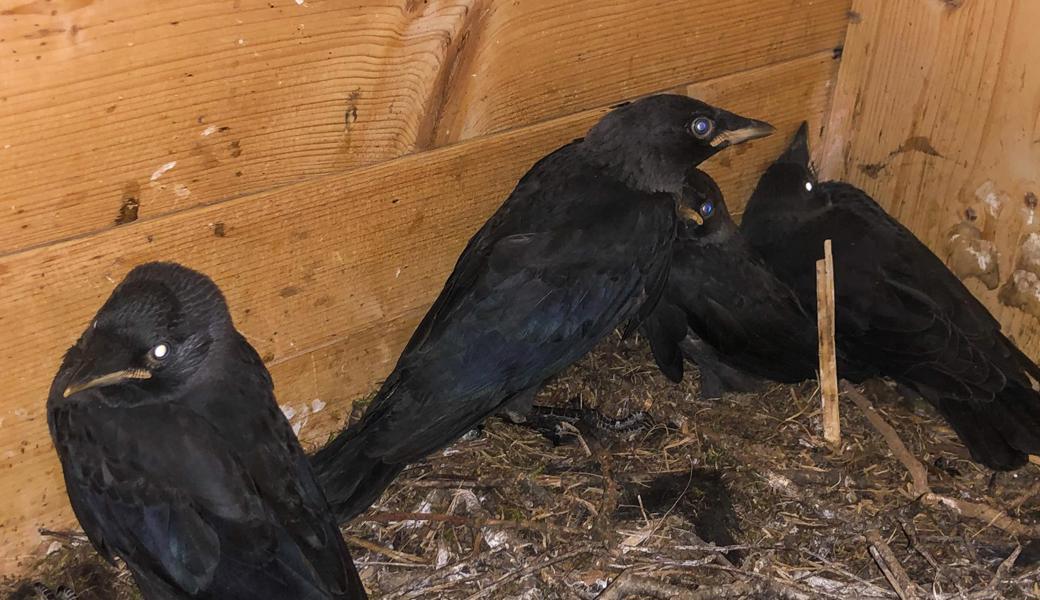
[
  {"x": 706, "y": 209},
  {"x": 702, "y": 127}
]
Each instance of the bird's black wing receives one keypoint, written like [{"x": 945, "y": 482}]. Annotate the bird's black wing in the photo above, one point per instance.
[
  {"x": 281, "y": 471},
  {"x": 161, "y": 487},
  {"x": 569, "y": 256},
  {"x": 562, "y": 264},
  {"x": 901, "y": 306},
  {"x": 730, "y": 299},
  {"x": 752, "y": 318},
  {"x": 665, "y": 329},
  {"x": 523, "y": 205}
]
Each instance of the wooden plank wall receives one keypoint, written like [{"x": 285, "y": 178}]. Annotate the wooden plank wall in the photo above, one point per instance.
[
  {"x": 324, "y": 161},
  {"x": 937, "y": 114}
]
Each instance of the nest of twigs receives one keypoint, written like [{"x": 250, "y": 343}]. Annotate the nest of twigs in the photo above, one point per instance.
[{"x": 731, "y": 498}]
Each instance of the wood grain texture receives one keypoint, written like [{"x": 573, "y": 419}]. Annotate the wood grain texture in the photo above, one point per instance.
[
  {"x": 327, "y": 277},
  {"x": 114, "y": 110},
  {"x": 937, "y": 115},
  {"x": 830, "y": 412},
  {"x": 595, "y": 52}
]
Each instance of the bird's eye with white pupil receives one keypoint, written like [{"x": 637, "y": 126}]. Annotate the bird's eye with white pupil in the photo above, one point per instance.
[
  {"x": 706, "y": 209},
  {"x": 702, "y": 127},
  {"x": 159, "y": 352},
  {"x": 808, "y": 186}
]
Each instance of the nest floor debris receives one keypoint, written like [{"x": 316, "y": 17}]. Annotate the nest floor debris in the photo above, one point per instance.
[{"x": 737, "y": 497}]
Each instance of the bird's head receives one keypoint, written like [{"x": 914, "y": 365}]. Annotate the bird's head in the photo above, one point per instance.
[
  {"x": 651, "y": 142},
  {"x": 789, "y": 182},
  {"x": 702, "y": 209},
  {"x": 154, "y": 332}
]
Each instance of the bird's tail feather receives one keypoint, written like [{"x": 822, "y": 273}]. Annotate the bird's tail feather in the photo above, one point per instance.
[
  {"x": 985, "y": 441},
  {"x": 1000, "y": 433},
  {"x": 1017, "y": 414},
  {"x": 352, "y": 481}
]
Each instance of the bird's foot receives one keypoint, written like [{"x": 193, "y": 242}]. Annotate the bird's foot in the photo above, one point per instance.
[
  {"x": 61, "y": 593},
  {"x": 559, "y": 424}
]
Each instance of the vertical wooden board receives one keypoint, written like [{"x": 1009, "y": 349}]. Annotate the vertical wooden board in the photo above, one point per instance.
[
  {"x": 937, "y": 115},
  {"x": 116, "y": 110},
  {"x": 326, "y": 278}
]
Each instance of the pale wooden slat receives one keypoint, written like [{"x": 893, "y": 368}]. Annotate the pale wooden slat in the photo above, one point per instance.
[
  {"x": 830, "y": 412},
  {"x": 933, "y": 101},
  {"x": 327, "y": 278},
  {"x": 216, "y": 99}
]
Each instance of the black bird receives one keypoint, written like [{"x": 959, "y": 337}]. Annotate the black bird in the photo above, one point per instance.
[
  {"x": 723, "y": 308},
  {"x": 899, "y": 311},
  {"x": 581, "y": 245},
  {"x": 177, "y": 458}
]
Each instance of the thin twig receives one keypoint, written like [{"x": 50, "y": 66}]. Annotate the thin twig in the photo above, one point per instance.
[
  {"x": 394, "y": 517},
  {"x": 991, "y": 516},
  {"x": 69, "y": 536},
  {"x": 519, "y": 573},
  {"x": 1026, "y": 496},
  {"x": 917, "y": 471},
  {"x": 890, "y": 566},
  {"x": 911, "y": 538},
  {"x": 628, "y": 584},
  {"x": 388, "y": 552},
  {"x": 982, "y": 512},
  {"x": 1005, "y": 568}
]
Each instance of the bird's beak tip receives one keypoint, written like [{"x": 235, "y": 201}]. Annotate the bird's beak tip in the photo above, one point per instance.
[
  {"x": 107, "y": 379},
  {"x": 753, "y": 130}
]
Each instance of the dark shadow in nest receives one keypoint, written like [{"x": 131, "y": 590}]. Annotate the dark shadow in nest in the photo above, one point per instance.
[{"x": 701, "y": 497}]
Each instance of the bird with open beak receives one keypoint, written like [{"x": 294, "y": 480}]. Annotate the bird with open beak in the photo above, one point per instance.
[
  {"x": 177, "y": 458},
  {"x": 580, "y": 246}
]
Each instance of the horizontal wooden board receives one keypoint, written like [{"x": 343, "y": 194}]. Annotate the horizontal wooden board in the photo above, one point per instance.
[
  {"x": 950, "y": 146},
  {"x": 326, "y": 277},
  {"x": 121, "y": 110}
]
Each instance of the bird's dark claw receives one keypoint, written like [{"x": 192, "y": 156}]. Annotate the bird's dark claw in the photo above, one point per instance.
[{"x": 559, "y": 424}]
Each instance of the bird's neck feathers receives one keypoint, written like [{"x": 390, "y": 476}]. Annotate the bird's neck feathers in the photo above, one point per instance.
[
  {"x": 719, "y": 229},
  {"x": 644, "y": 169}
]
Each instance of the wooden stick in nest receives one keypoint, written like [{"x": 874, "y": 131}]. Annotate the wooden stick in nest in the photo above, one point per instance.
[
  {"x": 918, "y": 473},
  {"x": 392, "y": 517},
  {"x": 921, "y": 488},
  {"x": 519, "y": 573},
  {"x": 828, "y": 362},
  {"x": 389, "y": 552},
  {"x": 890, "y": 567},
  {"x": 628, "y": 584}
]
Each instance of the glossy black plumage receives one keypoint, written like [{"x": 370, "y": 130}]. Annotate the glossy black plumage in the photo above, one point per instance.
[
  {"x": 177, "y": 458},
  {"x": 721, "y": 294},
  {"x": 580, "y": 246},
  {"x": 899, "y": 311}
]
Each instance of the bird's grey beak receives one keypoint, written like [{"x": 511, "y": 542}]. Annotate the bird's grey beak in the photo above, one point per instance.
[
  {"x": 92, "y": 375},
  {"x": 737, "y": 130},
  {"x": 688, "y": 214}
]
